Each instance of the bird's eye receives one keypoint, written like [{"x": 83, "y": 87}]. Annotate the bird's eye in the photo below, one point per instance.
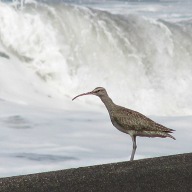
[{"x": 97, "y": 91}]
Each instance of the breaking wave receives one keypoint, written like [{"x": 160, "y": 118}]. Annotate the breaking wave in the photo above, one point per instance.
[{"x": 145, "y": 64}]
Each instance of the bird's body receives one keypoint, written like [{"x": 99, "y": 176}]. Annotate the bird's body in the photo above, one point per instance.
[{"x": 129, "y": 121}]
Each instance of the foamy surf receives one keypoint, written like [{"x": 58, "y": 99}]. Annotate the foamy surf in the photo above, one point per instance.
[{"x": 70, "y": 49}]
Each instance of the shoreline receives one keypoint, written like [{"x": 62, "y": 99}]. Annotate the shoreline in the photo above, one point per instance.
[{"x": 169, "y": 173}]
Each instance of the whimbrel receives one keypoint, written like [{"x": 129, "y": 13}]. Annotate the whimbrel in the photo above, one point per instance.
[{"x": 129, "y": 121}]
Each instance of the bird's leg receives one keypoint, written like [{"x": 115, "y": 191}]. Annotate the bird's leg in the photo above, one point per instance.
[{"x": 134, "y": 147}]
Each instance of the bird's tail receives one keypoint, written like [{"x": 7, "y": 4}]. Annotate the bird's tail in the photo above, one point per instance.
[
  {"x": 168, "y": 135},
  {"x": 165, "y": 134}
]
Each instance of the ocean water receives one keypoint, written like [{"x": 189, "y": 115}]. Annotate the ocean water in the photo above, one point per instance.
[{"x": 141, "y": 52}]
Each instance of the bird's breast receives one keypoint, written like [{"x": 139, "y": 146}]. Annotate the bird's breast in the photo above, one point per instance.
[{"x": 115, "y": 124}]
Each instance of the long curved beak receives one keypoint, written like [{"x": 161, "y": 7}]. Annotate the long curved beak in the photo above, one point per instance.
[{"x": 89, "y": 93}]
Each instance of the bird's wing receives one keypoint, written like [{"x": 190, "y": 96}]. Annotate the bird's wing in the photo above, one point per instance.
[{"x": 132, "y": 120}]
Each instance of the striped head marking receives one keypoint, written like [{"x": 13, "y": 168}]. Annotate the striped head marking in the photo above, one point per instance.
[{"x": 98, "y": 91}]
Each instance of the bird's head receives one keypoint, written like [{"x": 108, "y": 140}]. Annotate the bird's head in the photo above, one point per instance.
[{"x": 98, "y": 91}]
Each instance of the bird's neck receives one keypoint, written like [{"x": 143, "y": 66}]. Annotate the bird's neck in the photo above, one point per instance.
[{"x": 108, "y": 102}]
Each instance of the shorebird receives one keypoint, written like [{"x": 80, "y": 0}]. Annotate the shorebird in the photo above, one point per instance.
[{"x": 129, "y": 121}]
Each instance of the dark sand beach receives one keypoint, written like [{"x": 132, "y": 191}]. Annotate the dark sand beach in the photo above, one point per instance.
[{"x": 170, "y": 173}]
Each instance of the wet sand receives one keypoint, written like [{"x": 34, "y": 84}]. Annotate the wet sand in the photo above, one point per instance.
[{"x": 170, "y": 173}]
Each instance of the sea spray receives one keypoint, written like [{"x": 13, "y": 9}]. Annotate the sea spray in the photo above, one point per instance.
[{"x": 145, "y": 64}]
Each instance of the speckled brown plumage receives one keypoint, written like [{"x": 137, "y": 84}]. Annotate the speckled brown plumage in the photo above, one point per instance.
[
  {"x": 140, "y": 124},
  {"x": 129, "y": 121}
]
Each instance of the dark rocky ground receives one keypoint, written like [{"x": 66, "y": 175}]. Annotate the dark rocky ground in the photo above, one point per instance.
[{"x": 162, "y": 174}]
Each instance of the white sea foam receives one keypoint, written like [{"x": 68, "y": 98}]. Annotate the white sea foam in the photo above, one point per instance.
[
  {"x": 36, "y": 139},
  {"x": 71, "y": 49}
]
